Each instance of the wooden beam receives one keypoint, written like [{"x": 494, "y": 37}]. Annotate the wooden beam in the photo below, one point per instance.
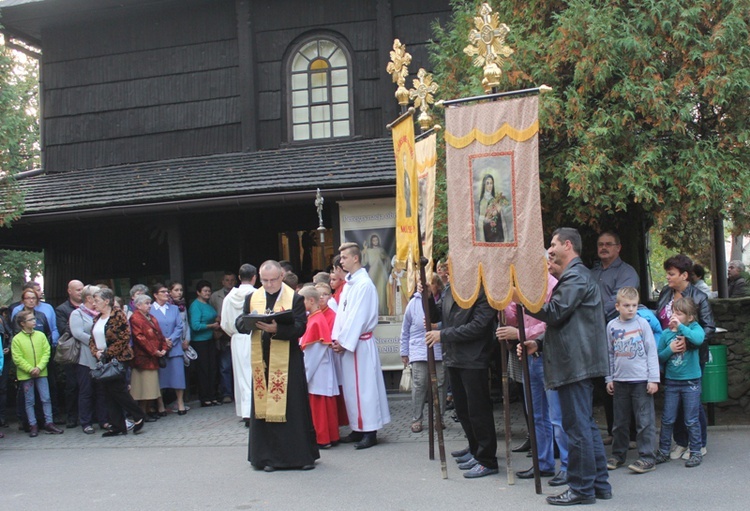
[
  {"x": 385, "y": 43},
  {"x": 246, "y": 78}
]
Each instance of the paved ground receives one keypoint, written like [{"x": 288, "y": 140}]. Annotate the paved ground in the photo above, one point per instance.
[{"x": 198, "y": 461}]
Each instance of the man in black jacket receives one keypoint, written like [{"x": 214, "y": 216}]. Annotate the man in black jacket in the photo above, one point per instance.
[
  {"x": 575, "y": 347},
  {"x": 62, "y": 314},
  {"x": 467, "y": 339}
]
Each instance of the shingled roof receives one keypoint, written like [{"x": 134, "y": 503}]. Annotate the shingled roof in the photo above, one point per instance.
[{"x": 357, "y": 164}]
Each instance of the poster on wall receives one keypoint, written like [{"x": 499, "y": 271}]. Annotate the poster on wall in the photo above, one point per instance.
[{"x": 372, "y": 225}]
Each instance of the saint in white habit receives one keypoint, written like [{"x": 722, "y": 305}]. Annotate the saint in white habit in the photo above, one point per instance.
[
  {"x": 282, "y": 435},
  {"x": 231, "y": 311},
  {"x": 362, "y": 377}
]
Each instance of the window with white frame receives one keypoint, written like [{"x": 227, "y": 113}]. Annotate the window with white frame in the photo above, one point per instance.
[{"x": 319, "y": 90}]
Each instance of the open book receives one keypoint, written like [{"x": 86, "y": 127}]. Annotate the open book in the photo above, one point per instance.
[{"x": 282, "y": 318}]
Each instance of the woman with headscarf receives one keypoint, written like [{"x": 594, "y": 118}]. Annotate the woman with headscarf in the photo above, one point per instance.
[{"x": 490, "y": 218}]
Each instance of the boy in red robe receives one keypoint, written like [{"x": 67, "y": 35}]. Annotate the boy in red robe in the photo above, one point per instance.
[{"x": 322, "y": 385}]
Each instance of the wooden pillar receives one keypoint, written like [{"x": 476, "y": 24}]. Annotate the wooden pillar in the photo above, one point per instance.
[
  {"x": 174, "y": 242},
  {"x": 246, "y": 76},
  {"x": 385, "y": 44}
]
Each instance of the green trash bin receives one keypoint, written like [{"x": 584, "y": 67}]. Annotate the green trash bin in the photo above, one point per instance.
[{"x": 715, "y": 382}]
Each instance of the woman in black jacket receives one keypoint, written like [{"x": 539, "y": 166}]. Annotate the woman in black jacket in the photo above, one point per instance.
[{"x": 678, "y": 269}]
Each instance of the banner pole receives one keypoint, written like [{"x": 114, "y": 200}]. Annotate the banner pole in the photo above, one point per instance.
[
  {"x": 496, "y": 95},
  {"x": 529, "y": 401}
]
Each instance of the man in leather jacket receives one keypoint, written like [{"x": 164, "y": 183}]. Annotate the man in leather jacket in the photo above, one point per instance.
[{"x": 575, "y": 347}]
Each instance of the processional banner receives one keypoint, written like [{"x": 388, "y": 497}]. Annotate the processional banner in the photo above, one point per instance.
[
  {"x": 407, "y": 202},
  {"x": 426, "y": 150},
  {"x": 494, "y": 209}
]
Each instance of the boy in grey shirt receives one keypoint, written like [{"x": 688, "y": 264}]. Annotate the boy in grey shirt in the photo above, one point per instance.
[{"x": 633, "y": 381}]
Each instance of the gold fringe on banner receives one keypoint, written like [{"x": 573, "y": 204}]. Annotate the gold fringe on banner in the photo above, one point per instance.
[{"x": 492, "y": 138}]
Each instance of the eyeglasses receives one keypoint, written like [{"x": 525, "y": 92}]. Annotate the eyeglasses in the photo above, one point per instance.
[
  {"x": 163, "y": 291},
  {"x": 268, "y": 281},
  {"x": 607, "y": 244}
]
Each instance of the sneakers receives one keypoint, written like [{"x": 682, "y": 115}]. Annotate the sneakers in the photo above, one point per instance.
[
  {"x": 660, "y": 457},
  {"x": 468, "y": 464},
  {"x": 480, "y": 471},
  {"x": 461, "y": 452},
  {"x": 678, "y": 451},
  {"x": 694, "y": 461},
  {"x": 613, "y": 463},
  {"x": 686, "y": 454},
  {"x": 463, "y": 459},
  {"x": 641, "y": 466}
]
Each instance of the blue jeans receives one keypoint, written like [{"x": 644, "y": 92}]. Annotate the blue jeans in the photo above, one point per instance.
[
  {"x": 28, "y": 394},
  {"x": 629, "y": 399},
  {"x": 587, "y": 463},
  {"x": 542, "y": 422},
  {"x": 555, "y": 417},
  {"x": 688, "y": 394}
]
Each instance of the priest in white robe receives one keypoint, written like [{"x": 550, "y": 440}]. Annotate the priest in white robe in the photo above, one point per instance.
[
  {"x": 231, "y": 310},
  {"x": 362, "y": 377}
]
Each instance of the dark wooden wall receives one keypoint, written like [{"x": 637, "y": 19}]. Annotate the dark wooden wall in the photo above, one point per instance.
[
  {"x": 145, "y": 85},
  {"x": 163, "y": 80}
]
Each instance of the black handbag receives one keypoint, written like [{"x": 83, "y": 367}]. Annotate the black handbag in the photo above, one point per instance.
[
  {"x": 108, "y": 371},
  {"x": 162, "y": 361},
  {"x": 68, "y": 350}
]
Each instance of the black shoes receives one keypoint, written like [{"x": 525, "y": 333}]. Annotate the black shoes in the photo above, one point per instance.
[
  {"x": 560, "y": 479},
  {"x": 113, "y": 432},
  {"x": 353, "y": 437},
  {"x": 603, "y": 495},
  {"x": 524, "y": 447},
  {"x": 138, "y": 426},
  {"x": 368, "y": 440},
  {"x": 570, "y": 498},
  {"x": 529, "y": 474}
]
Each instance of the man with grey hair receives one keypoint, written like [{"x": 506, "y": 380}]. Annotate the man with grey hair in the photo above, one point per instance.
[
  {"x": 282, "y": 435},
  {"x": 737, "y": 285}
]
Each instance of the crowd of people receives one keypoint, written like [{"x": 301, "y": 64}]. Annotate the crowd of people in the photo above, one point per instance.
[{"x": 299, "y": 360}]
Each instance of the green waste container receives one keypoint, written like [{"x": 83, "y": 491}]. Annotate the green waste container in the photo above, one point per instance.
[{"x": 715, "y": 381}]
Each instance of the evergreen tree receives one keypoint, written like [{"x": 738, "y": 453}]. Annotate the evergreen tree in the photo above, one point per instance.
[{"x": 649, "y": 118}]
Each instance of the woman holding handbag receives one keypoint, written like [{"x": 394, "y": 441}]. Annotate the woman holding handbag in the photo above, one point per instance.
[
  {"x": 149, "y": 348},
  {"x": 91, "y": 402},
  {"x": 110, "y": 338}
]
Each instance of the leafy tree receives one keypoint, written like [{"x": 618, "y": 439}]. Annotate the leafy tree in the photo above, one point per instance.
[
  {"x": 19, "y": 127},
  {"x": 16, "y": 268},
  {"x": 648, "y": 122}
]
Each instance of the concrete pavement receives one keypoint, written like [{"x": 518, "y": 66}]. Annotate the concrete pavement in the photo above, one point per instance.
[{"x": 198, "y": 461}]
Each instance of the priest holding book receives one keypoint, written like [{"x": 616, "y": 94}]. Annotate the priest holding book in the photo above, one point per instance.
[{"x": 282, "y": 435}]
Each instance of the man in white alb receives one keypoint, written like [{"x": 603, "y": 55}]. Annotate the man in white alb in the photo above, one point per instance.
[
  {"x": 231, "y": 310},
  {"x": 362, "y": 377}
]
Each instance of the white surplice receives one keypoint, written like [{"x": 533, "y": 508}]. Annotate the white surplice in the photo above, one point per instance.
[
  {"x": 362, "y": 377},
  {"x": 231, "y": 309}
]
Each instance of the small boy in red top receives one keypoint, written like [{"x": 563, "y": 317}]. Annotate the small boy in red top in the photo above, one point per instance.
[{"x": 322, "y": 385}]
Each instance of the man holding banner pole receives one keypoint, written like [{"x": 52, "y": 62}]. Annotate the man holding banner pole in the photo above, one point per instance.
[{"x": 575, "y": 352}]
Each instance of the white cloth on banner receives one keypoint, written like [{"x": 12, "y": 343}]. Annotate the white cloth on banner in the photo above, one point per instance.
[
  {"x": 362, "y": 377},
  {"x": 231, "y": 309}
]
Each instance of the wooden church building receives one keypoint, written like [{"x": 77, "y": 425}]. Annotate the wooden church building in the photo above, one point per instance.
[{"x": 185, "y": 137}]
